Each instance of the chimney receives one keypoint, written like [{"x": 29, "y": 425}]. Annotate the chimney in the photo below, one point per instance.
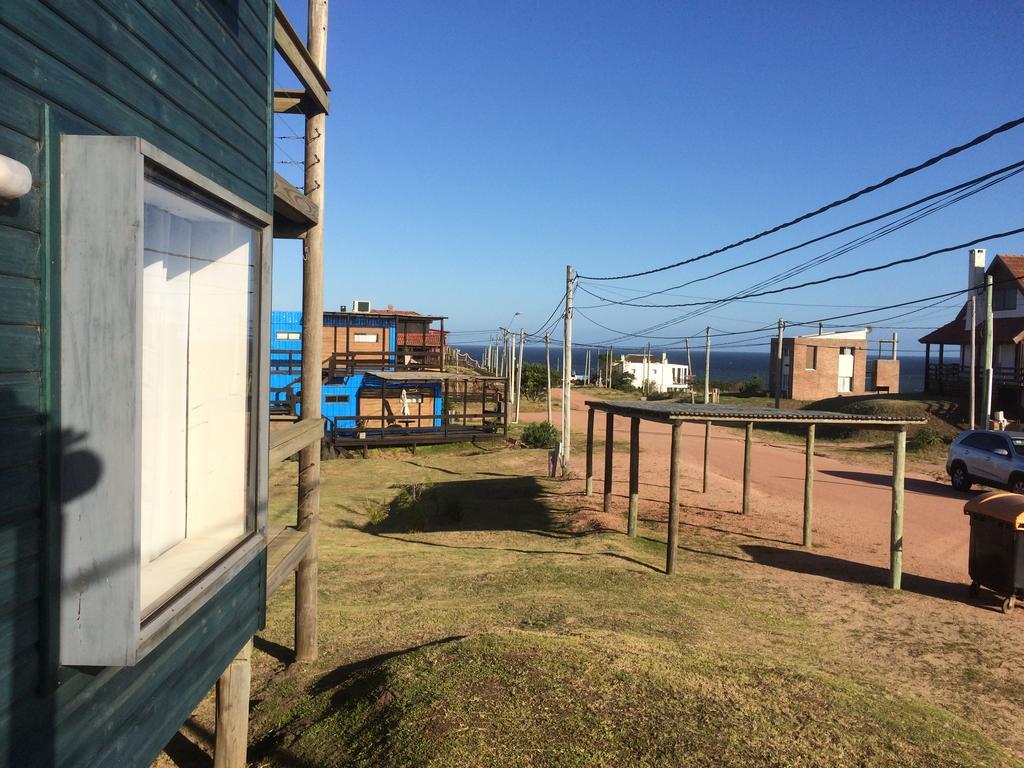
[
  {"x": 664, "y": 358},
  {"x": 976, "y": 268},
  {"x": 391, "y": 307}
]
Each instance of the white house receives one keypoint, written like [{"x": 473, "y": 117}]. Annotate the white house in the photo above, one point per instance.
[{"x": 662, "y": 375}]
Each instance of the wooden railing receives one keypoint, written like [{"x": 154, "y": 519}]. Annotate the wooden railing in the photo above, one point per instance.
[{"x": 955, "y": 375}]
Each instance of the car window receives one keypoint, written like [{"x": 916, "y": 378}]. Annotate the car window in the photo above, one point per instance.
[
  {"x": 976, "y": 440},
  {"x": 995, "y": 442},
  {"x": 1018, "y": 445}
]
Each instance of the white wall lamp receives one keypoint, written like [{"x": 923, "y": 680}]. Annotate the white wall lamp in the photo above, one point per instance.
[{"x": 15, "y": 179}]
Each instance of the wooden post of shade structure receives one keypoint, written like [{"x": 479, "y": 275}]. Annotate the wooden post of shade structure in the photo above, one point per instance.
[
  {"x": 748, "y": 439},
  {"x": 307, "y": 574},
  {"x": 634, "y": 474},
  {"x": 590, "y": 451},
  {"x": 899, "y": 457},
  {"x": 707, "y": 455},
  {"x": 609, "y": 437},
  {"x": 808, "y": 484},
  {"x": 233, "y": 711},
  {"x": 673, "y": 497}
]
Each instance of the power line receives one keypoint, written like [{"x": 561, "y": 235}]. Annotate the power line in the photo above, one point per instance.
[{"x": 829, "y": 206}]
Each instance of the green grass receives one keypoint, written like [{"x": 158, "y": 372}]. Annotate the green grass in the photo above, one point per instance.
[{"x": 470, "y": 617}]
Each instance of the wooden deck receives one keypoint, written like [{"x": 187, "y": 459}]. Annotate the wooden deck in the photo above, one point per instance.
[{"x": 286, "y": 546}]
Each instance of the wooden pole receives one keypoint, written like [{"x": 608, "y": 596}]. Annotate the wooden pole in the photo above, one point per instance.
[
  {"x": 748, "y": 440},
  {"x": 707, "y": 454},
  {"x": 232, "y": 730},
  {"x": 609, "y": 436},
  {"x": 590, "y": 451},
  {"x": 808, "y": 484},
  {"x": 778, "y": 365},
  {"x": 547, "y": 357},
  {"x": 634, "y": 474},
  {"x": 988, "y": 351},
  {"x": 307, "y": 574},
  {"x": 673, "y": 496},
  {"x": 974, "y": 363},
  {"x": 519, "y": 372},
  {"x": 567, "y": 372},
  {"x": 899, "y": 458},
  {"x": 707, "y": 364}
]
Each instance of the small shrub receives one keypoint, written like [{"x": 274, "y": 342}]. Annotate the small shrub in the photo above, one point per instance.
[
  {"x": 753, "y": 387},
  {"x": 543, "y": 435},
  {"x": 377, "y": 513},
  {"x": 925, "y": 437}
]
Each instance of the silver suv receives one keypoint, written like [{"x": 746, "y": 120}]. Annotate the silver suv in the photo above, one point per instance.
[{"x": 987, "y": 457}]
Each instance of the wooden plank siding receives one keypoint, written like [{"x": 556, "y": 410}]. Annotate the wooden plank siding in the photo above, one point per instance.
[{"x": 193, "y": 78}]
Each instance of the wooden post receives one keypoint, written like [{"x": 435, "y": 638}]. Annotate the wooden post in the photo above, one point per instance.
[
  {"x": 988, "y": 353},
  {"x": 634, "y": 474},
  {"x": 673, "y": 496},
  {"x": 707, "y": 454},
  {"x": 519, "y": 371},
  {"x": 927, "y": 367},
  {"x": 547, "y": 357},
  {"x": 590, "y": 451},
  {"x": 307, "y": 574},
  {"x": 974, "y": 361},
  {"x": 609, "y": 436},
  {"x": 232, "y": 731},
  {"x": 899, "y": 458},
  {"x": 748, "y": 439},
  {"x": 808, "y": 484},
  {"x": 778, "y": 366},
  {"x": 567, "y": 372},
  {"x": 707, "y": 363}
]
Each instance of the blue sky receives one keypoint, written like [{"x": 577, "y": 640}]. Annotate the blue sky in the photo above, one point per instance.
[{"x": 476, "y": 148}]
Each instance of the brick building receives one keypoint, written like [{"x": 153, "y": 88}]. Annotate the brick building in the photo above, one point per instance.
[{"x": 831, "y": 364}]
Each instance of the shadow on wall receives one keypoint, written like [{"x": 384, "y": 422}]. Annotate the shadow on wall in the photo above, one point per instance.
[{"x": 29, "y": 535}]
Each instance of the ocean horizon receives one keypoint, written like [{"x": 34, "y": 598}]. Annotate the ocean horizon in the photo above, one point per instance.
[{"x": 726, "y": 366}]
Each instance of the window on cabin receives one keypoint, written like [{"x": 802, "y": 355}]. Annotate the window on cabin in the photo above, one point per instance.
[
  {"x": 812, "y": 358},
  {"x": 287, "y": 336},
  {"x": 198, "y": 312},
  {"x": 365, "y": 338},
  {"x": 336, "y": 398}
]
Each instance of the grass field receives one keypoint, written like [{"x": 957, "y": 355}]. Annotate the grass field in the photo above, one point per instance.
[{"x": 471, "y": 617}]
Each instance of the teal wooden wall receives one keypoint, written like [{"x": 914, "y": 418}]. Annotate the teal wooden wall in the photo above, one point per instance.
[{"x": 193, "y": 77}]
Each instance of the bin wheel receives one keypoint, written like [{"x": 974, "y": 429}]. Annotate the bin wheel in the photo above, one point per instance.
[
  {"x": 1009, "y": 604},
  {"x": 974, "y": 589}
]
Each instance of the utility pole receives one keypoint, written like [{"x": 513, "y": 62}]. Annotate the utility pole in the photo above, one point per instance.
[
  {"x": 611, "y": 354},
  {"x": 566, "y": 371},
  {"x": 547, "y": 357},
  {"x": 519, "y": 372},
  {"x": 974, "y": 362},
  {"x": 988, "y": 349},
  {"x": 707, "y": 364},
  {"x": 778, "y": 365},
  {"x": 587, "y": 368}
]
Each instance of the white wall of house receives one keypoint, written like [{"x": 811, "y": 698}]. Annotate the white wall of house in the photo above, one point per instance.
[{"x": 663, "y": 375}]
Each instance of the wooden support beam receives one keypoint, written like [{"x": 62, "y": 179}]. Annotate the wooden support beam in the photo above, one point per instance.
[
  {"x": 707, "y": 455},
  {"x": 673, "y": 497},
  {"x": 634, "y": 474},
  {"x": 899, "y": 458},
  {"x": 291, "y": 207},
  {"x": 748, "y": 440},
  {"x": 290, "y": 101},
  {"x": 286, "y": 548},
  {"x": 808, "y": 484},
  {"x": 609, "y": 438},
  {"x": 233, "y": 711},
  {"x": 301, "y": 62},
  {"x": 590, "y": 452},
  {"x": 290, "y": 440}
]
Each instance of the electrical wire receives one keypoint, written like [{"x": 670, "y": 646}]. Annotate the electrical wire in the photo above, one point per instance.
[{"x": 980, "y": 139}]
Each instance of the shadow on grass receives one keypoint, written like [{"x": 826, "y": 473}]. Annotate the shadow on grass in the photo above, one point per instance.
[
  {"x": 838, "y": 569},
  {"x": 519, "y": 504},
  {"x": 912, "y": 484}
]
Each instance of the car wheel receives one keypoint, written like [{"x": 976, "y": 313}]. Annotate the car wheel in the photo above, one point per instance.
[
  {"x": 1017, "y": 484},
  {"x": 959, "y": 478}
]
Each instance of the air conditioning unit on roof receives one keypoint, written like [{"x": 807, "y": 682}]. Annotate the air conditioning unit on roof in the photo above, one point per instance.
[{"x": 360, "y": 306}]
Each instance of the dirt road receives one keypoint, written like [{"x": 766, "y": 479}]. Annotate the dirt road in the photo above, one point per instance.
[{"x": 852, "y": 504}]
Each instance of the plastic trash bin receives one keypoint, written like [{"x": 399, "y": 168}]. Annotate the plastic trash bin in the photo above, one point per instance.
[{"x": 996, "y": 559}]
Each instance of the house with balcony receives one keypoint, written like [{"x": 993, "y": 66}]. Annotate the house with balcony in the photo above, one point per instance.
[
  {"x": 948, "y": 348},
  {"x": 834, "y": 364},
  {"x": 654, "y": 374},
  {"x": 384, "y": 380}
]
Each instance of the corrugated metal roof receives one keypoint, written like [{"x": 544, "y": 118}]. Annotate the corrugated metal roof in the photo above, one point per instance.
[{"x": 672, "y": 411}]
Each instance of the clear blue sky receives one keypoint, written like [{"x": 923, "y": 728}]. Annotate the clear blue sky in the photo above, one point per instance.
[{"x": 476, "y": 148}]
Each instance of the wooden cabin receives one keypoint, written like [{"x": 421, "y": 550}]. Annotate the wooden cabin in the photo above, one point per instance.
[{"x": 134, "y": 322}]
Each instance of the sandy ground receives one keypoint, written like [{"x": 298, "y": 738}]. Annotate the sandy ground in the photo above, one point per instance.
[{"x": 852, "y": 503}]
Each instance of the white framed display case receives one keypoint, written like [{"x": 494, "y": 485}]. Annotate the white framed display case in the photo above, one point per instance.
[{"x": 164, "y": 321}]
